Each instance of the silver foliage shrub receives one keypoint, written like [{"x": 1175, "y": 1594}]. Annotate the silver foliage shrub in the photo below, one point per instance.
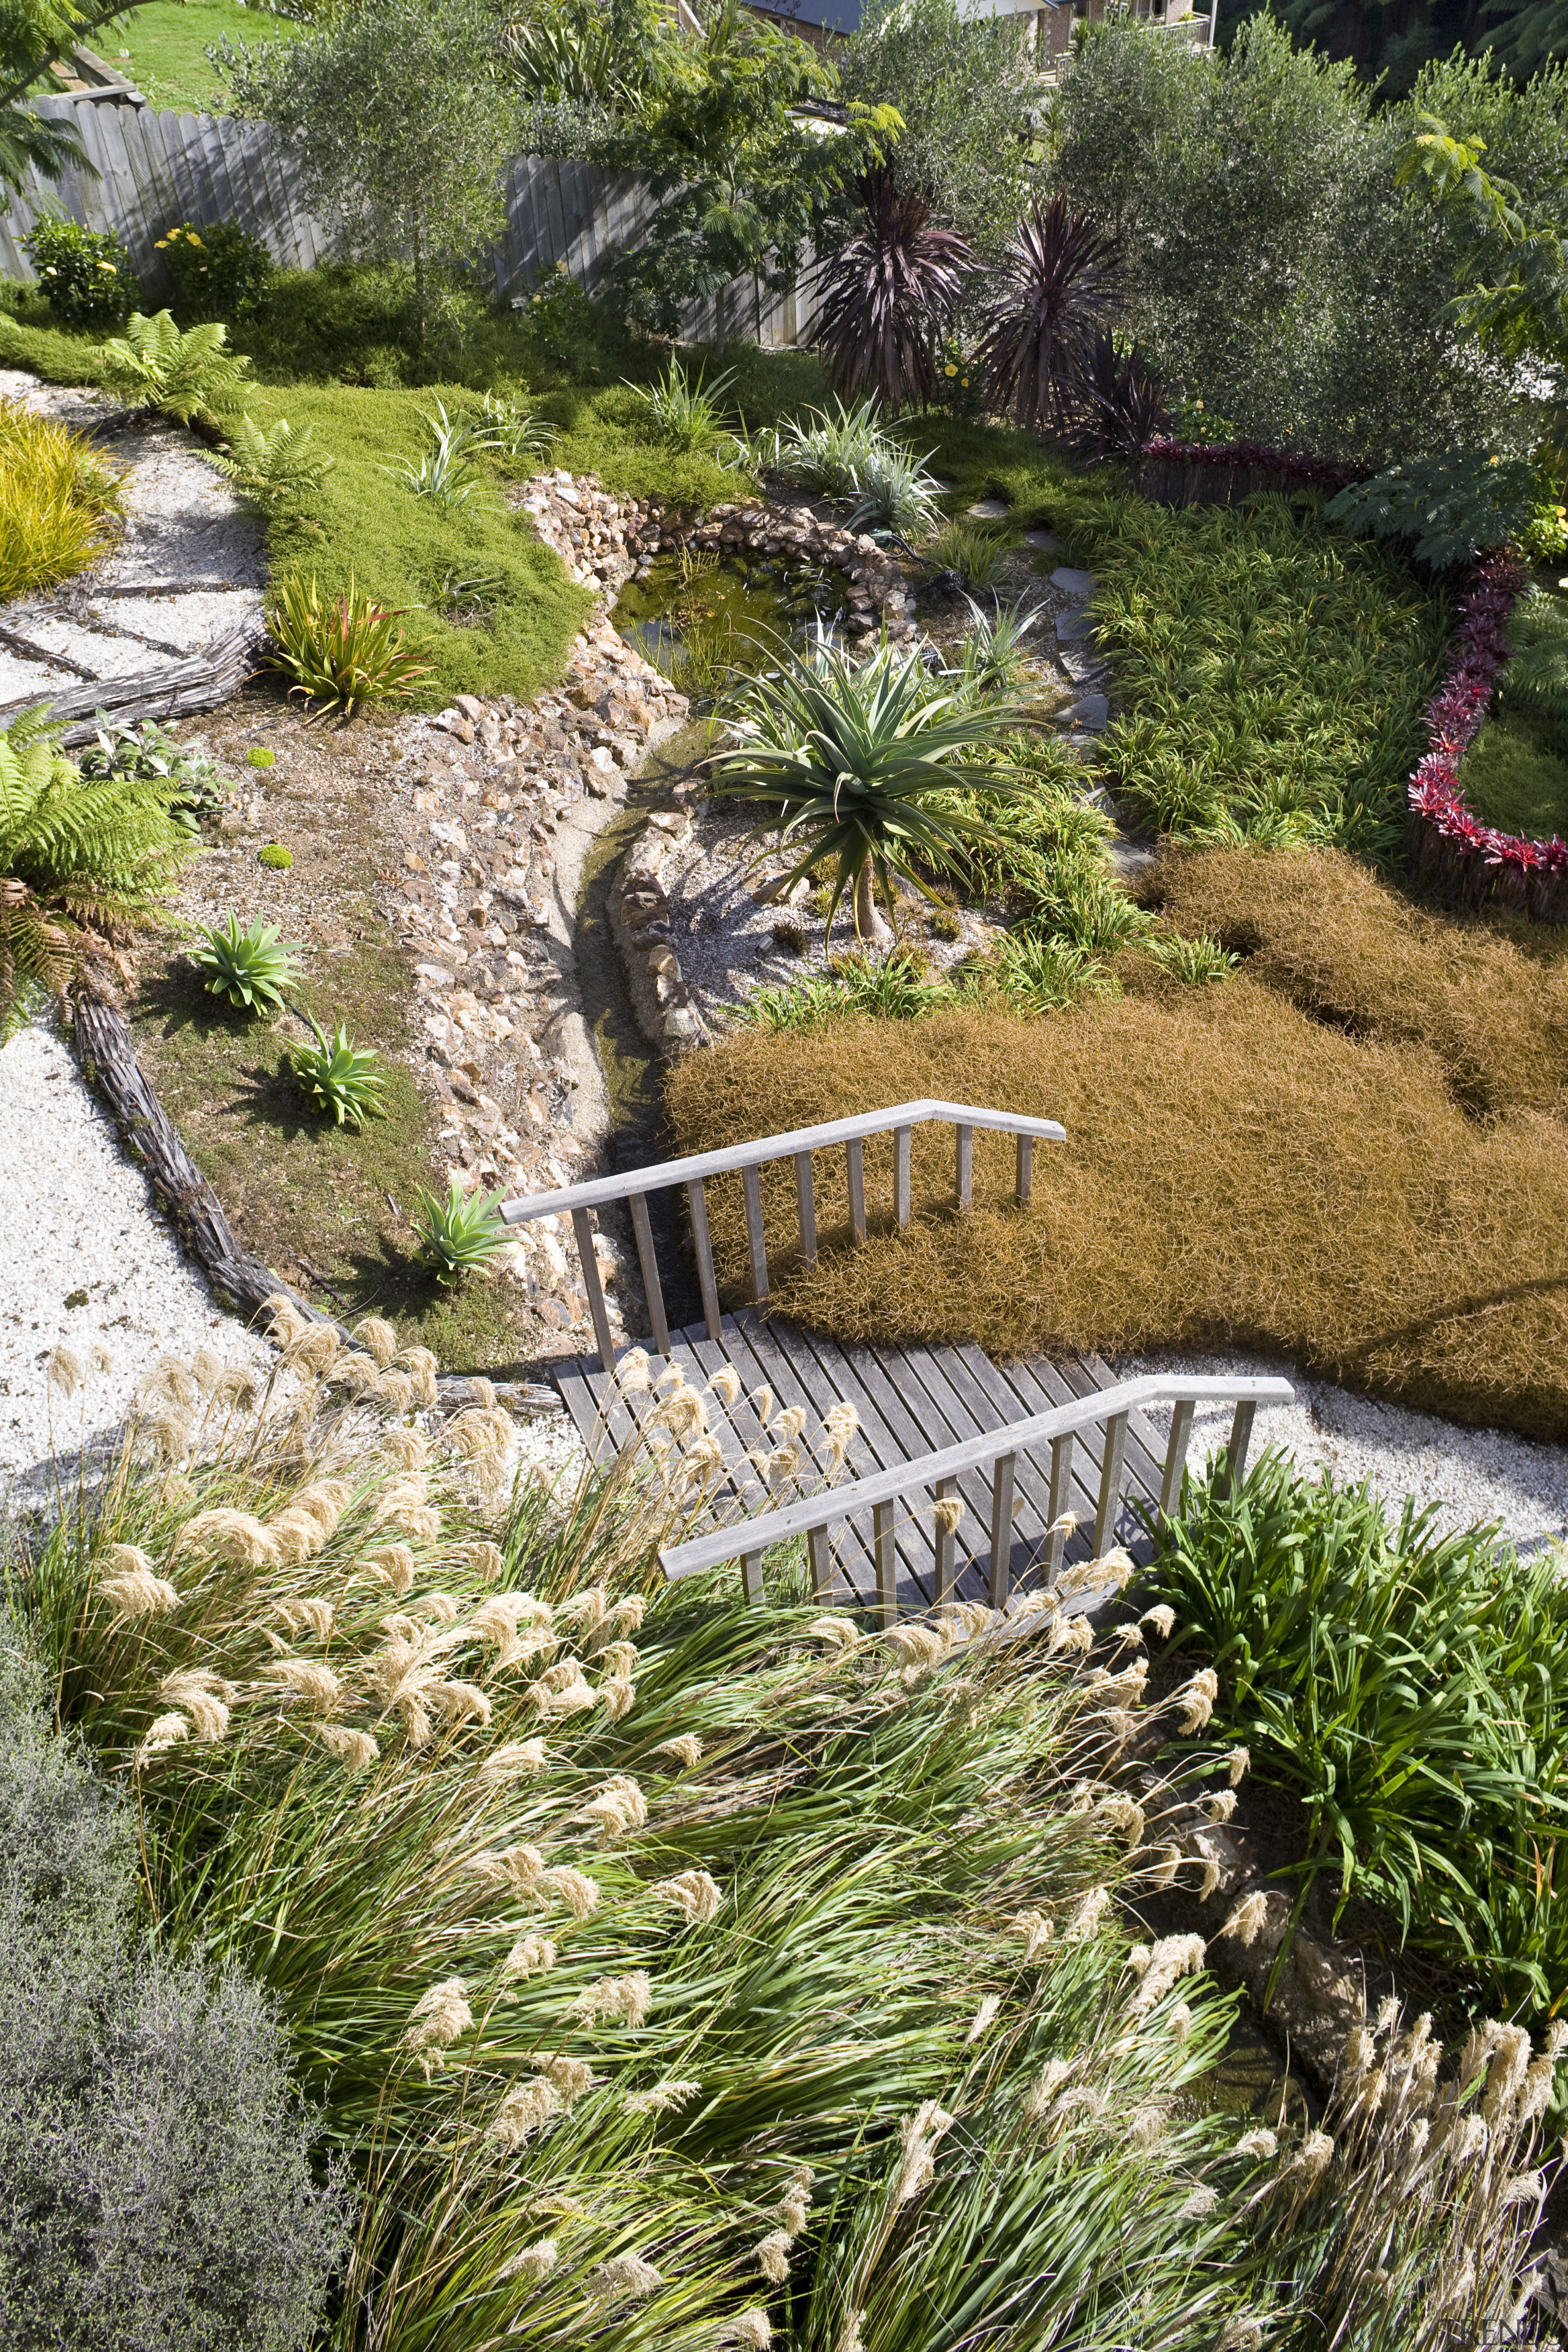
[{"x": 155, "y": 2180}]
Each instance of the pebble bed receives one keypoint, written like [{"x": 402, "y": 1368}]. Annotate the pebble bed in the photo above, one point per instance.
[
  {"x": 91, "y": 1267},
  {"x": 1473, "y": 1476},
  {"x": 186, "y": 568}
]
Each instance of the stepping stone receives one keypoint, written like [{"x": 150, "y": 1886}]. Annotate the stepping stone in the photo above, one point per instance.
[
  {"x": 988, "y": 510},
  {"x": 1071, "y": 625},
  {"x": 1044, "y": 541},
  {"x": 1073, "y": 583},
  {"x": 1092, "y": 711}
]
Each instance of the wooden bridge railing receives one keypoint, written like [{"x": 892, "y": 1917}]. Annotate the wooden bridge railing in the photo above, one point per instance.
[
  {"x": 884, "y": 1492},
  {"x": 637, "y": 1184}
]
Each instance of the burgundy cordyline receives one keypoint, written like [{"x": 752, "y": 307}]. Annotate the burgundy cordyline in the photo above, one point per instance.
[{"x": 1454, "y": 719}]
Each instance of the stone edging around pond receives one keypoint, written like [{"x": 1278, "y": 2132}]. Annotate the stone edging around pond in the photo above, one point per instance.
[{"x": 600, "y": 538}]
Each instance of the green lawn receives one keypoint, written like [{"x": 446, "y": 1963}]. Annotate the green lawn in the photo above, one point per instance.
[
  {"x": 162, "y": 48},
  {"x": 1514, "y": 776}
]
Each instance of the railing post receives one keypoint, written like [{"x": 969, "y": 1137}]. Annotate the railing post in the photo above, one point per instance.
[
  {"x": 886, "y": 1562},
  {"x": 752, "y": 1181},
  {"x": 697, "y": 1199},
  {"x": 1026, "y": 1176},
  {"x": 1001, "y": 1478},
  {"x": 1240, "y": 1439},
  {"x": 902, "y": 1204},
  {"x": 821, "y": 1563},
  {"x": 1176, "y": 1456},
  {"x": 658, "y": 1325},
  {"x": 806, "y": 1196},
  {"x": 1061, "y": 1489},
  {"x": 1110, "y": 1479},
  {"x": 856, "y": 1152},
  {"x": 965, "y": 1172},
  {"x": 583, "y": 1227},
  {"x": 752, "y": 1574},
  {"x": 946, "y": 1543}
]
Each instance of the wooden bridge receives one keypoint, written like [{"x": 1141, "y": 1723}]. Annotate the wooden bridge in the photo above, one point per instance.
[{"x": 911, "y": 1475}]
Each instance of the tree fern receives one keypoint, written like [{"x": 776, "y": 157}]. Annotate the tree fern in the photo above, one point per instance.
[
  {"x": 154, "y": 367},
  {"x": 1537, "y": 677},
  {"x": 77, "y": 856},
  {"x": 273, "y": 469}
]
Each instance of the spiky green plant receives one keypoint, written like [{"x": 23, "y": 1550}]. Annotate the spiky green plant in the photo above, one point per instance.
[
  {"x": 687, "y": 411},
  {"x": 995, "y": 658},
  {"x": 338, "y": 1077},
  {"x": 448, "y": 472},
  {"x": 975, "y": 553},
  {"x": 76, "y": 856},
  {"x": 714, "y": 1969},
  {"x": 861, "y": 763},
  {"x": 461, "y": 1235},
  {"x": 273, "y": 469},
  {"x": 156, "y": 369},
  {"x": 1198, "y": 961},
  {"x": 340, "y": 651},
  {"x": 520, "y": 437},
  {"x": 848, "y": 453},
  {"x": 251, "y": 967}
]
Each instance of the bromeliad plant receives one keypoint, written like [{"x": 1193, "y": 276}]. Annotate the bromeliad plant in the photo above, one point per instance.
[
  {"x": 861, "y": 764},
  {"x": 887, "y": 295},
  {"x": 1410, "y": 1690},
  {"x": 338, "y": 1077},
  {"x": 250, "y": 967},
  {"x": 340, "y": 651}
]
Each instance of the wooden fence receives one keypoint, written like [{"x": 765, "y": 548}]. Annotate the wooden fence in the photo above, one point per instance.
[{"x": 156, "y": 170}]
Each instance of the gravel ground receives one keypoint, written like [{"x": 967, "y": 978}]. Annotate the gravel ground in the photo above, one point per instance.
[
  {"x": 1471, "y": 1475},
  {"x": 90, "y": 1267},
  {"x": 184, "y": 527}
]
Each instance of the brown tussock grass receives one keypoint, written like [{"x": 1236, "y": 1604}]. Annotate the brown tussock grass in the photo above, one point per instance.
[
  {"x": 1236, "y": 1174},
  {"x": 1489, "y": 999}
]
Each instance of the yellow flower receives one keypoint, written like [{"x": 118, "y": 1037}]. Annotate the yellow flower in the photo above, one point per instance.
[
  {"x": 196, "y": 240},
  {"x": 950, "y": 370},
  {"x": 159, "y": 243}
]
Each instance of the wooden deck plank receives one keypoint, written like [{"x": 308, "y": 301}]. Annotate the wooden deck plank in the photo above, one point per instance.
[
  {"x": 1142, "y": 1468},
  {"x": 966, "y": 1416},
  {"x": 1037, "y": 1387},
  {"x": 766, "y": 1352},
  {"x": 1086, "y": 1452},
  {"x": 973, "y": 1404},
  {"x": 901, "y": 1437},
  {"x": 826, "y": 1369}
]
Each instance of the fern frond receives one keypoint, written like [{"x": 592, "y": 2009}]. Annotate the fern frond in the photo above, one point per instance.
[
  {"x": 1536, "y": 675},
  {"x": 155, "y": 366},
  {"x": 271, "y": 469}
]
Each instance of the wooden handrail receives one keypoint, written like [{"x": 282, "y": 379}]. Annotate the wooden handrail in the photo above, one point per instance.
[
  {"x": 997, "y": 1450},
  {"x": 635, "y": 1184}
]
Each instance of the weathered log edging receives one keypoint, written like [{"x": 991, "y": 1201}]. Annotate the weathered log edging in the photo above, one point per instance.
[{"x": 176, "y": 689}]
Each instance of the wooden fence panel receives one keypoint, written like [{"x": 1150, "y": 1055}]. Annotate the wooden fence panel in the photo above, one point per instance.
[{"x": 156, "y": 168}]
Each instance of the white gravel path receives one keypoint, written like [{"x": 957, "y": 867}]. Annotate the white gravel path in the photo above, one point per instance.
[
  {"x": 79, "y": 1225},
  {"x": 1473, "y": 1476}
]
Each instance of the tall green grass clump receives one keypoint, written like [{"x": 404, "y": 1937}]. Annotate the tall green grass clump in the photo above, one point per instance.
[
  {"x": 1272, "y": 673},
  {"x": 60, "y": 505},
  {"x": 673, "y": 1971},
  {"x": 1409, "y": 1687}
]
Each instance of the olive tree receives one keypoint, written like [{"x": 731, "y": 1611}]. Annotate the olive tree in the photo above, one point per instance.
[{"x": 401, "y": 127}]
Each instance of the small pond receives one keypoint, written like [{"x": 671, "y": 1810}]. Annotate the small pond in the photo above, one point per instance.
[{"x": 697, "y": 617}]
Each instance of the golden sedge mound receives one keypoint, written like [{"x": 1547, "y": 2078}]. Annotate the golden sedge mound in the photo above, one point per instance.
[
  {"x": 1492, "y": 1004},
  {"x": 1234, "y": 1173}
]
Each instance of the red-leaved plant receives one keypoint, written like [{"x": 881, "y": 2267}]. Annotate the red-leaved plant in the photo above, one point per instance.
[
  {"x": 887, "y": 296},
  {"x": 1056, "y": 291}
]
